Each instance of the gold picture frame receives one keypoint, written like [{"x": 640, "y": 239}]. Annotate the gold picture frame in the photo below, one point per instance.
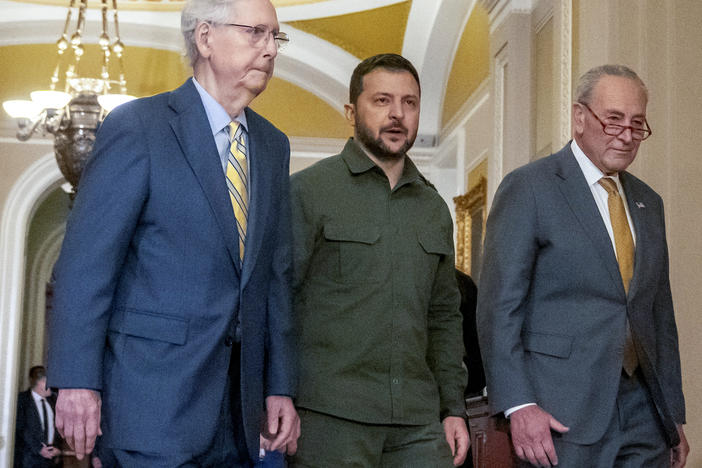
[{"x": 471, "y": 216}]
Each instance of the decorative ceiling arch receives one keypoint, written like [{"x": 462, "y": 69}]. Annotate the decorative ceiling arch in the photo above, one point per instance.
[
  {"x": 290, "y": 9},
  {"x": 317, "y": 66},
  {"x": 431, "y": 39},
  {"x": 328, "y": 8},
  {"x": 308, "y": 62}
]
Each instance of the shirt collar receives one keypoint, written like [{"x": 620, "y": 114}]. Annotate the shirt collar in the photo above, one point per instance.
[
  {"x": 217, "y": 116},
  {"x": 36, "y": 396},
  {"x": 356, "y": 158},
  {"x": 591, "y": 172}
]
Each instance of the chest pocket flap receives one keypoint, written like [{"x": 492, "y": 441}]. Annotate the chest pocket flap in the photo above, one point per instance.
[
  {"x": 365, "y": 234},
  {"x": 434, "y": 242},
  {"x": 354, "y": 252}
]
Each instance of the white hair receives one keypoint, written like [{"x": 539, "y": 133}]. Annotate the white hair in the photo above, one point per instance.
[
  {"x": 198, "y": 11},
  {"x": 587, "y": 82}
]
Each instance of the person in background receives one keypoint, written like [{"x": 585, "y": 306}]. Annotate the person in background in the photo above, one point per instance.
[
  {"x": 472, "y": 358},
  {"x": 37, "y": 444}
]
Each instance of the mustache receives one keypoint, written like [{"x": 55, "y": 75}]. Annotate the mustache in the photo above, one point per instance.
[{"x": 395, "y": 126}]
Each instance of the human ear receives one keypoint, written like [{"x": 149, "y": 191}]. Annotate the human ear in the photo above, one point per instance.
[
  {"x": 202, "y": 36},
  {"x": 350, "y": 113},
  {"x": 578, "y": 118}
]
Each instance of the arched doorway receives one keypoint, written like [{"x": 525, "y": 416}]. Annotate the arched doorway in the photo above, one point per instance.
[{"x": 35, "y": 184}]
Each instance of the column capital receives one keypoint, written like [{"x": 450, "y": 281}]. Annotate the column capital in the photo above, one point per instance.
[{"x": 498, "y": 10}]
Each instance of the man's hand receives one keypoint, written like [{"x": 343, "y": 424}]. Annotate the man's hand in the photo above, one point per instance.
[
  {"x": 531, "y": 435},
  {"x": 78, "y": 418},
  {"x": 678, "y": 454},
  {"x": 49, "y": 451},
  {"x": 457, "y": 437},
  {"x": 282, "y": 426}
]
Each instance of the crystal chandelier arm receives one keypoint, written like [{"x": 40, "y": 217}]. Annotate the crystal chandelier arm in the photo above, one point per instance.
[
  {"x": 77, "y": 42},
  {"x": 26, "y": 126},
  {"x": 118, "y": 49},
  {"x": 104, "y": 43},
  {"x": 54, "y": 117},
  {"x": 62, "y": 45}
]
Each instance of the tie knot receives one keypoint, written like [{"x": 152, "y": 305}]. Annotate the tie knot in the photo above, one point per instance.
[
  {"x": 609, "y": 185},
  {"x": 234, "y": 129}
]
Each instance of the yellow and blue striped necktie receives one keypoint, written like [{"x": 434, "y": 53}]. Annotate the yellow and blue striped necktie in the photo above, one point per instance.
[{"x": 238, "y": 182}]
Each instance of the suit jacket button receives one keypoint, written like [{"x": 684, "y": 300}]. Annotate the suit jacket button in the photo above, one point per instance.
[{"x": 228, "y": 341}]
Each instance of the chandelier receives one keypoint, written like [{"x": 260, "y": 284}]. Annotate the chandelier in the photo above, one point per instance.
[{"x": 74, "y": 114}]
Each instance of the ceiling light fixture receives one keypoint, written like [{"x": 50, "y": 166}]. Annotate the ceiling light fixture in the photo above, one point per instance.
[{"x": 74, "y": 114}]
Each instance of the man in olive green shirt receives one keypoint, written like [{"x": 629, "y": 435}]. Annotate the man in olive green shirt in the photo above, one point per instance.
[{"x": 376, "y": 300}]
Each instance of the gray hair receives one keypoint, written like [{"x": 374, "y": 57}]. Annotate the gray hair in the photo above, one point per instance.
[
  {"x": 198, "y": 11},
  {"x": 587, "y": 82}
]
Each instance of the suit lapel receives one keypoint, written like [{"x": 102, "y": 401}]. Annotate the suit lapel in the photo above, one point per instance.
[
  {"x": 260, "y": 161},
  {"x": 579, "y": 197},
  {"x": 35, "y": 412},
  {"x": 193, "y": 132},
  {"x": 637, "y": 212}
]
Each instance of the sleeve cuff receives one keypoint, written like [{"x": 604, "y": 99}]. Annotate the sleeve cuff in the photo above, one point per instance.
[{"x": 515, "y": 408}]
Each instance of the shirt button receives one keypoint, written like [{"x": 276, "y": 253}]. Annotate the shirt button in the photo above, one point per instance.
[
  {"x": 228, "y": 341},
  {"x": 395, "y": 381}
]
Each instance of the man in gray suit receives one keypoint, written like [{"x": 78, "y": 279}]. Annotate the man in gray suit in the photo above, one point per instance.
[{"x": 575, "y": 314}]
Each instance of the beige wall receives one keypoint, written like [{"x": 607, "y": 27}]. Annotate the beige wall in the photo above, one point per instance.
[{"x": 543, "y": 89}]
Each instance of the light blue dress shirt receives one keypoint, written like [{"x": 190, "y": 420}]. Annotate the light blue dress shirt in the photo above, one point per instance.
[{"x": 219, "y": 123}]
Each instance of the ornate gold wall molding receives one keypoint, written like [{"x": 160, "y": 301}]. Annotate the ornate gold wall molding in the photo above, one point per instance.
[{"x": 471, "y": 215}]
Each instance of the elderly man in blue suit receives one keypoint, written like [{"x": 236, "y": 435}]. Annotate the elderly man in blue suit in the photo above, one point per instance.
[
  {"x": 575, "y": 315},
  {"x": 171, "y": 321}
]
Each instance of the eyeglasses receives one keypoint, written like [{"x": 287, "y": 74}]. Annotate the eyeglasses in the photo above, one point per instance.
[
  {"x": 258, "y": 35},
  {"x": 637, "y": 133}
]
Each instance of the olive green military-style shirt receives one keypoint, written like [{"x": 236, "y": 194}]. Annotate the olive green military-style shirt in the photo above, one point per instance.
[{"x": 376, "y": 301}]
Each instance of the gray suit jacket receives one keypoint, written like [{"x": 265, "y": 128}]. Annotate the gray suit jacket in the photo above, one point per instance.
[{"x": 552, "y": 306}]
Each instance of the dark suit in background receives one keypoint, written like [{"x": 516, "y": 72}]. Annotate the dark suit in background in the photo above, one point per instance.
[
  {"x": 552, "y": 306},
  {"x": 29, "y": 434},
  {"x": 472, "y": 359}
]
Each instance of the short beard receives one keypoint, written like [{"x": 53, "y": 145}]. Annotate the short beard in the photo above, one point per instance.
[{"x": 376, "y": 145}]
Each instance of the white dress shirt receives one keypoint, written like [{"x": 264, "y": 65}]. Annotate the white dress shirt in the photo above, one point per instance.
[{"x": 49, "y": 414}]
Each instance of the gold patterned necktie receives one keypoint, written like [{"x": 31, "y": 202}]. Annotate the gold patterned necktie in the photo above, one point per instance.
[
  {"x": 238, "y": 182},
  {"x": 624, "y": 246}
]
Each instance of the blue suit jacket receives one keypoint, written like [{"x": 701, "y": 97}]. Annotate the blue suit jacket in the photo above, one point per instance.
[
  {"x": 552, "y": 306},
  {"x": 148, "y": 284}
]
